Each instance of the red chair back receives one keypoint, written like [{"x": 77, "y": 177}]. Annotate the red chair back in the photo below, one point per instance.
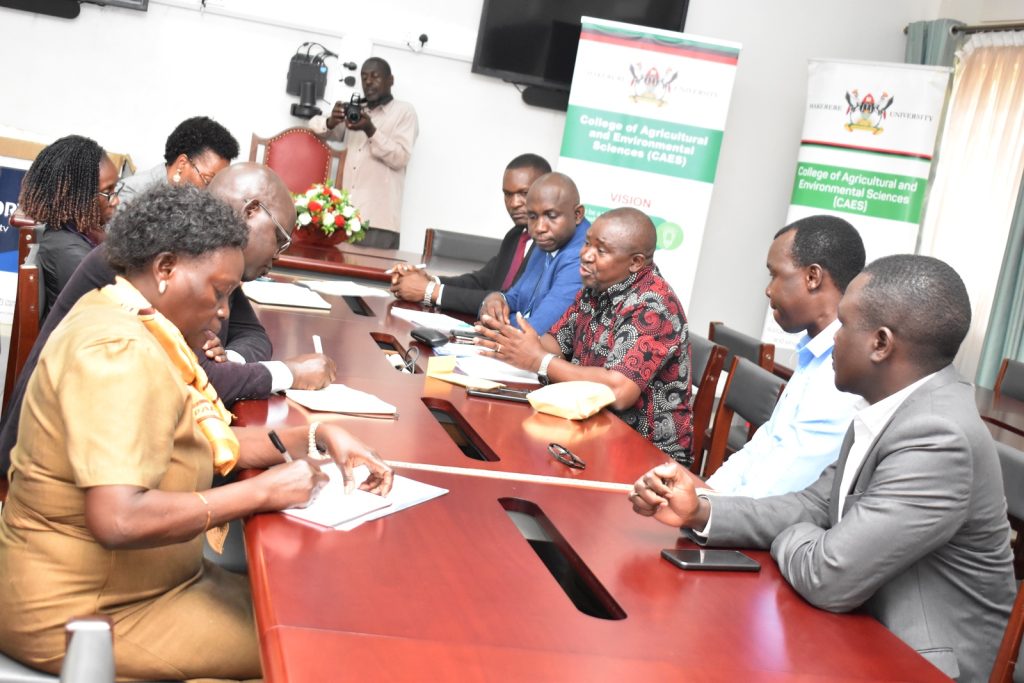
[{"x": 300, "y": 157}]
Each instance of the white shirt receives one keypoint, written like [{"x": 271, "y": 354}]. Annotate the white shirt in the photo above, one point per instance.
[
  {"x": 803, "y": 435},
  {"x": 869, "y": 421}
]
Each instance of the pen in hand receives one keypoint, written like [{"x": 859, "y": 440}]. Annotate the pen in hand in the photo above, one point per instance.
[
  {"x": 317, "y": 344},
  {"x": 279, "y": 445}
]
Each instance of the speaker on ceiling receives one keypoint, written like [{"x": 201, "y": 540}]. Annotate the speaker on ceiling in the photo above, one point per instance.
[{"x": 65, "y": 9}]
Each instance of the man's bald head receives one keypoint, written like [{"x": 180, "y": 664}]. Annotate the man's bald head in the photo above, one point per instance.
[
  {"x": 265, "y": 203},
  {"x": 560, "y": 183},
  {"x": 632, "y": 230}
]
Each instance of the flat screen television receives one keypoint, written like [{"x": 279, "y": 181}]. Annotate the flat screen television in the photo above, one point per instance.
[{"x": 533, "y": 42}]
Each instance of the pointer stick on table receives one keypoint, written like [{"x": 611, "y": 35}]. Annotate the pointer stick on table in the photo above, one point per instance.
[{"x": 317, "y": 344}]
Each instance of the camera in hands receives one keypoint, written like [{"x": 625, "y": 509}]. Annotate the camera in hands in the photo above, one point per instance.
[{"x": 354, "y": 108}]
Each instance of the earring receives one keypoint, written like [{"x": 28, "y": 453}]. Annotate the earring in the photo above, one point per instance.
[
  {"x": 162, "y": 287},
  {"x": 177, "y": 177}
]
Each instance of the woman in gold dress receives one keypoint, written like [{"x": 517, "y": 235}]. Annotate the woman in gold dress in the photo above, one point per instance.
[{"x": 120, "y": 435}]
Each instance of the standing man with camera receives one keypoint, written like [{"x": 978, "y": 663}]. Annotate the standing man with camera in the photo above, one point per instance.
[{"x": 380, "y": 134}]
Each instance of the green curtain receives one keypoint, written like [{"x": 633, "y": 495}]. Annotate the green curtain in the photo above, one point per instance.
[
  {"x": 932, "y": 42},
  {"x": 1005, "y": 334}
]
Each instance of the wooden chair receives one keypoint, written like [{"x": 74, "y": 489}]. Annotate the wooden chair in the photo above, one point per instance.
[
  {"x": 706, "y": 362},
  {"x": 1010, "y": 380},
  {"x": 1009, "y": 647},
  {"x": 28, "y": 306},
  {"x": 750, "y": 392},
  {"x": 300, "y": 157},
  {"x": 1011, "y": 461},
  {"x": 743, "y": 345},
  {"x": 458, "y": 245}
]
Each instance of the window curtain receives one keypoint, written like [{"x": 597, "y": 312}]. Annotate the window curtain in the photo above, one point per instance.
[
  {"x": 1005, "y": 336},
  {"x": 932, "y": 42},
  {"x": 978, "y": 175}
]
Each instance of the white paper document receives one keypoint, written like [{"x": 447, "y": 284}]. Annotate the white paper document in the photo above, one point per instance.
[
  {"x": 283, "y": 294},
  {"x": 333, "y": 508},
  {"x": 494, "y": 369},
  {"x": 439, "y": 321},
  {"x": 338, "y": 398},
  {"x": 453, "y": 349},
  {"x": 345, "y": 288}
]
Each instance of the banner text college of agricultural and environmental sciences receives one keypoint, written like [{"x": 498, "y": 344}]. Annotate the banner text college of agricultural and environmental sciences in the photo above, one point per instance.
[
  {"x": 866, "y": 152},
  {"x": 644, "y": 129}
]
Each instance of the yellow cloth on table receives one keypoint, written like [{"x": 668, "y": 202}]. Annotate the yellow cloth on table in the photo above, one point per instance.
[{"x": 576, "y": 400}]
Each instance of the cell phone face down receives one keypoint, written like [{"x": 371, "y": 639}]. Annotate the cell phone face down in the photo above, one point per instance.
[
  {"x": 714, "y": 560},
  {"x": 503, "y": 394},
  {"x": 429, "y": 336}
]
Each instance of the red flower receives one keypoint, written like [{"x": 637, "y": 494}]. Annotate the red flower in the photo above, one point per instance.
[
  {"x": 339, "y": 221},
  {"x": 316, "y": 219},
  {"x": 315, "y": 206}
]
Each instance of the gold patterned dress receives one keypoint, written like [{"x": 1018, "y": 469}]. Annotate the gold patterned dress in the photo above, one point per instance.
[{"x": 105, "y": 406}]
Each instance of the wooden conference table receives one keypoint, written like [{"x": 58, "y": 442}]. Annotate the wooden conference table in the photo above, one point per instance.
[{"x": 456, "y": 589}]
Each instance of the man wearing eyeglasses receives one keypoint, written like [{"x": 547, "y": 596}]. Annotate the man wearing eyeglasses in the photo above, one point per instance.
[
  {"x": 196, "y": 151},
  {"x": 238, "y": 361}
]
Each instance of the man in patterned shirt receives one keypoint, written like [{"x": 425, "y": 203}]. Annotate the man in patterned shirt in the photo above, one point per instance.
[{"x": 626, "y": 329}]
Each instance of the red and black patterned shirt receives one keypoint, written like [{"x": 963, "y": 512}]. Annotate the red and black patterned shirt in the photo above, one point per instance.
[{"x": 637, "y": 327}]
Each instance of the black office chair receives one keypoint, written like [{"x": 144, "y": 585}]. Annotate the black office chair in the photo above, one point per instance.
[
  {"x": 1010, "y": 380},
  {"x": 743, "y": 345},
  {"x": 458, "y": 245},
  {"x": 706, "y": 360},
  {"x": 1012, "y": 463},
  {"x": 751, "y": 392}
]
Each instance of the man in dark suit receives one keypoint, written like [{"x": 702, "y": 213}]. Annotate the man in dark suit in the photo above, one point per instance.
[
  {"x": 238, "y": 361},
  {"x": 464, "y": 293},
  {"x": 910, "y": 523}
]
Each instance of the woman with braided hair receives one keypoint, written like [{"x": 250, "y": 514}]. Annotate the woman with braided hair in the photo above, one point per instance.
[{"x": 71, "y": 187}]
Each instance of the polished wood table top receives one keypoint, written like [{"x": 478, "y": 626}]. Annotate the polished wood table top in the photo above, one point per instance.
[
  {"x": 451, "y": 590},
  {"x": 1002, "y": 411},
  {"x": 352, "y": 260}
]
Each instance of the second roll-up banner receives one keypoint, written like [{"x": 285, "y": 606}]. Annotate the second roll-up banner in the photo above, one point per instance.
[{"x": 866, "y": 153}]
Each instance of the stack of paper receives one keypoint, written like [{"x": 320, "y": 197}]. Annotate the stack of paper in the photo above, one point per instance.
[
  {"x": 333, "y": 508},
  {"x": 345, "y": 288},
  {"x": 283, "y": 294},
  {"x": 495, "y": 370},
  {"x": 439, "y": 321},
  {"x": 338, "y": 398}
]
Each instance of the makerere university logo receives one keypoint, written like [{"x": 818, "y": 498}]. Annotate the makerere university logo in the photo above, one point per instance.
[
  {"x": 651, "y": 86},
  {"x": 864, "y": 113}
]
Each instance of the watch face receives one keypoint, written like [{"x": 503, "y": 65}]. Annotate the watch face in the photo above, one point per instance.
[{"x": 543, "y": 379}]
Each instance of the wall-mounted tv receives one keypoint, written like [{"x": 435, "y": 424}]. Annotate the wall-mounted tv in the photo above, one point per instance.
[{"x": 533, "y": 42}]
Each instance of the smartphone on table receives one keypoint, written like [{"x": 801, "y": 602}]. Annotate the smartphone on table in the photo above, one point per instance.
[
  {"x": 504, "y": 394},
  {"x": 715, "y": 560}
]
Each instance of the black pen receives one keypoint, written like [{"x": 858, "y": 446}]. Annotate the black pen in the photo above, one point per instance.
[{"x": 279, "y": 445}]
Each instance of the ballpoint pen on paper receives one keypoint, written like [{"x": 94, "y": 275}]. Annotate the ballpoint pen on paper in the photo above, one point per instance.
[
  {"x": 418, "y": 266},
  {"x": 279, "y": 445},
  {"x": 317, "y": 344}
]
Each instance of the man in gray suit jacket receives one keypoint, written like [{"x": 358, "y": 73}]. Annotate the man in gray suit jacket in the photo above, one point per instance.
[{"x": 910, "y": 523}]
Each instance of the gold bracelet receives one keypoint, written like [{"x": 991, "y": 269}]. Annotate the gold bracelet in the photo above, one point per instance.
[
  {"x": 209, "y": 511},
  {"x": 314, "y": 452}
]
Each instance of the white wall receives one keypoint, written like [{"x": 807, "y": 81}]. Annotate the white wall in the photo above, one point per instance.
[{"x": 127, "y": 78}]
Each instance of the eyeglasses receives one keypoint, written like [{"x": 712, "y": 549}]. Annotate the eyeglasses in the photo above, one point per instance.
[
  {"x": 205, "y": 177},
  {"x": 112, "y": 195},
  {"x": 566, "y": 457},
  {"x": 284, "y": 240}
]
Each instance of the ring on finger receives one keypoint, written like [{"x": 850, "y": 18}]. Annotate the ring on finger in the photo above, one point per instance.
[{"x": 497, "y": 349}]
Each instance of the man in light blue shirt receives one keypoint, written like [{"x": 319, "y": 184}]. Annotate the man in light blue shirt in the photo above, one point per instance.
[
  {"x": 810, "y": 263},
  {"x": 551, "y": 278}
]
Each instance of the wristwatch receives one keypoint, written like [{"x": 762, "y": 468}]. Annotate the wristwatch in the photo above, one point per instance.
[{"x": 542, "y": 371}]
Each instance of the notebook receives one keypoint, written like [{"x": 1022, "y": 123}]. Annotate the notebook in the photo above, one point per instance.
[
  {"x": 283, "y": 294},
  {"x": 338, "y": 398}
]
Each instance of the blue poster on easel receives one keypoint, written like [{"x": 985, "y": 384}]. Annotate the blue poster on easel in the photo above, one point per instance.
[{"x": 11, "y": 173}]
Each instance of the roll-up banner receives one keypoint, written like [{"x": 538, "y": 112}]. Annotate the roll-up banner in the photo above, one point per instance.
[
  {"x": 866, "y": 153},
  {"x": 644, "y": 129}
]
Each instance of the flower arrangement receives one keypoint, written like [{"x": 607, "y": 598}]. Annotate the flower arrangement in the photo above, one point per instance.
[{"x": 328, "y": 208}]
